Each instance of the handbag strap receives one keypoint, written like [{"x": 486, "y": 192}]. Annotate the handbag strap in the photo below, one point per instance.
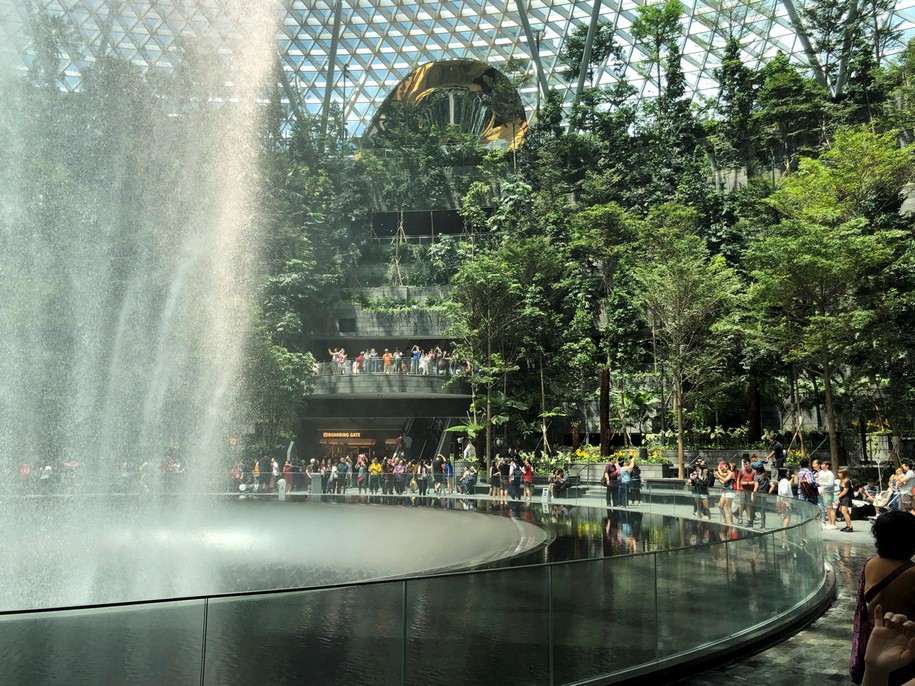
[{"x": 886, "y": 581}]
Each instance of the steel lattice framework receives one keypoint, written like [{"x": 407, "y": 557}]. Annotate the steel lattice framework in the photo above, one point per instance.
[{"x": 354, "y": 52}]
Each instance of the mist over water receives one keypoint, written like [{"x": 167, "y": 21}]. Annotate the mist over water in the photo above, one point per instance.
[
  {"x": 65, "y": 557},
  {"x": 128, "y": 242}
]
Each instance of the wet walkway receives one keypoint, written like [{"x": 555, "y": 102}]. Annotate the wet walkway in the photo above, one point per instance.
[{"x": 817, "y": 655}]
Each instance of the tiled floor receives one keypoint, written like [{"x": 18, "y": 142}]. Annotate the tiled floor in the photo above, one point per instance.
[{"x": 819, "y": 654}]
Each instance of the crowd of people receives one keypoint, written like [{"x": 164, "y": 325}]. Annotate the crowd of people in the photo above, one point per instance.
[
  {"x": 416, "y": 360},
  {"x": 743, "y": 491},
  {"x": 387, "y": 476},
  {"x": 513, "y": 477},
  {"x": 897, "y": 494},
  {"x": 510, "y": 477},
  {"x": 883, "y": 650},
  {"x": 48, "y": 477}
]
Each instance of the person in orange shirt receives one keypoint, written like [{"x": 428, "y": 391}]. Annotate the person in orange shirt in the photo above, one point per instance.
[{"x": 388, "y": 358}]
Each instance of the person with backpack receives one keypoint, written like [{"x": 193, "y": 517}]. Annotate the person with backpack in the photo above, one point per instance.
[
  {"x": 516, "y": 473},
  {"x": 806, "y": 483},
  {"x": 610, "y": 481}
]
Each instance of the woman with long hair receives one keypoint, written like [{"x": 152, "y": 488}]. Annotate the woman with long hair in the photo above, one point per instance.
[
  {"x": 843, "y": 498},
  {"x": 726, "y": 476},
  {"x": 528, "y": 479},
  {"x": 422, "y": 477},
  {"x": 495, "y": 480},
  {"x": 703, "y": 483}
]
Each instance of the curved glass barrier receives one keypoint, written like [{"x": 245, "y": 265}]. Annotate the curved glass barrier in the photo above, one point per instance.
[{"x": 616, "y": 593}]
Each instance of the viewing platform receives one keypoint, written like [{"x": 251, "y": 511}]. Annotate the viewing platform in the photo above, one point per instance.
[{"x": 379, "y": 385}]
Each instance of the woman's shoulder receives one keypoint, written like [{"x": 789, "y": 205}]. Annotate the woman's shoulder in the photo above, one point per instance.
[{"x": 876, "y": 567}]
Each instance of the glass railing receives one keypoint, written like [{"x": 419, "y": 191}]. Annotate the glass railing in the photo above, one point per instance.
[
  {"x": 398, "y": 368},
  {"x": 532, "y": 620}
]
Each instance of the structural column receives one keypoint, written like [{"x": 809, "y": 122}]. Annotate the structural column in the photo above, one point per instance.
[
  {"x": 535, "y": 51},
  {"x": 331, "y": 65}
]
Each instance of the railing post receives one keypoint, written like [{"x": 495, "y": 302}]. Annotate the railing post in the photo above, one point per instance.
[
  {"x": 403, "y": 636},
  {"x": 549, "y": 601},
  {"x": 203, "y": 643}
]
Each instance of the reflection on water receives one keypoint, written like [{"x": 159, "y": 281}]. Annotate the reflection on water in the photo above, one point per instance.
[{"x": 578, "y": 532}]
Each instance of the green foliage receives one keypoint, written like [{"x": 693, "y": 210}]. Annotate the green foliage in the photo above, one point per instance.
[
  {"x": 282, "y": 379},
  {"x": 738, "y": 86},
  {"x": 900, "y": 88},
  {"x": 791, "y": 113},
  {"x": 573, "y": 50},
  {"x": 862, "y": 173},
  {"x": 656, "y": 27},
  {"x": 820, "y": 274}
]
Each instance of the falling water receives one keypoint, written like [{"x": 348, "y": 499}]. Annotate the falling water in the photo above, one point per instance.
[{"x": 128, "y": 237}]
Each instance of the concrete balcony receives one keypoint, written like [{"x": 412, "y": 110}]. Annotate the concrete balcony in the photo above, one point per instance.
[{"x": 391, "y": 386}]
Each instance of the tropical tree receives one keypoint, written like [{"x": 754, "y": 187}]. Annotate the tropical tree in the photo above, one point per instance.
[
  {"x": 657, "y": 27},
  {"x": 689, "y": 299},
  {"x": 791, "y": 114},
  {"x": 485, "y": 316},
  {"x": 816, "y": 272},
  {"x": 737, "y": 88},
  {"x": 807, "y": 286},
  {"x": 572, "y": 54},
  {"x": 598, "y": 239}
]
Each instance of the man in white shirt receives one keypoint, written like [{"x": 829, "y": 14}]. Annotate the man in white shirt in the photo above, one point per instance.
[
  {"x": 904, "y": 483},
  {"x": 825, "y": 482}
]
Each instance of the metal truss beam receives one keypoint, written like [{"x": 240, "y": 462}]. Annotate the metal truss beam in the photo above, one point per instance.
[
  {"x": 805, "y": 42},
  {"x": 842, "y": 76},
  {"x": 534, "y": 45},
  {"x": 586, "y": 54},
  {"x": 331, "y": 65}
]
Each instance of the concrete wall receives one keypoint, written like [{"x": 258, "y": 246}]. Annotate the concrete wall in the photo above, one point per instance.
[
  {"x": 350, "y": 320},
  {"x": 394, "y": 385}
]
